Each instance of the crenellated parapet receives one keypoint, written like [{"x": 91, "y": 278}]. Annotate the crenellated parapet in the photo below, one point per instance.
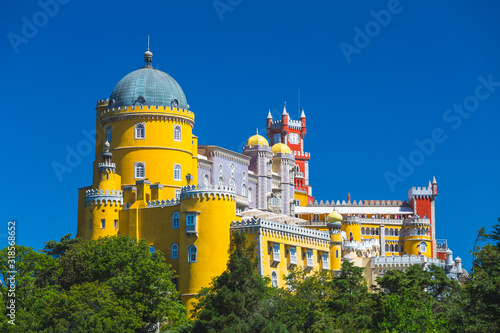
[
  {"x": 207, "y": 191},
  {"x": 360, "y": 203},
  {"x": 96, "y": 197},
  {"x": 162, "y": 203},
  {"x": 146, "y": 112},
  {"x": 404, "y": 261}
]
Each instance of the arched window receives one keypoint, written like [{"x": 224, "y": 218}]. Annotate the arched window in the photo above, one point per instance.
[
  {"x": 177, "y": 172},
  {"x": 174, "y": 251},
  {"x": 250, "y": 194},
  {"x": 386, "y": 247},
  {"x": 206, "y": 180},
  {"x": 386, "y": 232},
  {"x": 232, "y": 183},
  {"x": 279, "y": 202},
  {"x": 177, "y": 133},
  {"x": 220, "y": 168},
  {"x": 273, "y": 203},
  {"x": 362, "y": 230},
  {"x": 396, "y": 232},
  {"x": 140, "y": 131},
  {"x": 392, "y": 248},
  {"x": 243, "y": 190},
  {"x": 231, "y": 167},
  {"x": 274, "y": 279},
  {"x": 176, "y": 220},
  {"x": 192, "y": 252},
  {"x": 391, "y": 232},
  {"x": 221, "y": 181},
  {"x": 243, "y": 176},
  {"x": 368, "y": 231},
  {"x": 423, "y": 247},
  {"x": 376, "y": 232},
  {"x": 139, "y": 170},
  {"x": 373, "y": 231}
]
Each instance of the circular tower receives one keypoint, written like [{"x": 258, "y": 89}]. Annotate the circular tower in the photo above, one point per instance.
[{"x": 334, "y": 220}]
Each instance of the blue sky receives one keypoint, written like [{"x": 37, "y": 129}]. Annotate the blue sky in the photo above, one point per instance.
[{"x": 366, "y": 107}]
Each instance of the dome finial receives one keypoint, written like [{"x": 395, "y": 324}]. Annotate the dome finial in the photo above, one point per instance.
[
  {"x": 257, "y": 131},
  {"x": 148, "y": 57}
]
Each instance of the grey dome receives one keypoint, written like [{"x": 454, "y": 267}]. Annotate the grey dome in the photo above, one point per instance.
[{"x": 147, "y": 86}]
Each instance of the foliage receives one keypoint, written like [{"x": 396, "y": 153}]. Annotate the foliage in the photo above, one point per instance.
[
  {"x": 477, "y": 307},
  {"x": 58, "y": 249},
  {"x": 237, "y": 300}
]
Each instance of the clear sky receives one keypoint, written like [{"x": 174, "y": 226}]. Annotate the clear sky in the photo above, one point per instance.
[{"x": 378, "y": 81}]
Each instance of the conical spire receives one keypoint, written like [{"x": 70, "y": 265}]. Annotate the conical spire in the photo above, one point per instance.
[
  {"x": 269, "y": 115},
  {"x": 284, "y": 111},
  {"x": 434, "y": 180},
  {"x": 302, "y": 115}
]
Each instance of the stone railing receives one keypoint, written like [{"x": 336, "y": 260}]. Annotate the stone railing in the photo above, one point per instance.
[
  {"x": 95, "y": 196},
  {"x": 281, "y": 227}
]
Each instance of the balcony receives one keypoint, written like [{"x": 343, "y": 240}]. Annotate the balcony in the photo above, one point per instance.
[
  {"x": 325, "y": 261},
  {"x": 241, "y": 200}
]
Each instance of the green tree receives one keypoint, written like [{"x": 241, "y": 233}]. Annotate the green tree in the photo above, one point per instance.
[
  {"x": 351, "y": 304},
  {"x": 477, "y": 307},
  {"x": 302, "y": 304},
  {"x": 237, "y": 300},
  {"x": 140, "y": 280},
  {"x": 58, "y": 249}
]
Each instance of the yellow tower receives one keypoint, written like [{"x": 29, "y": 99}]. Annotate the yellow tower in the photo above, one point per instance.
[
  {"x": 103, "y": 203},
  {"x": 417, "y": 237},
  {"x": 334, "y": 220},
  {"x": 352, "y": 227}
]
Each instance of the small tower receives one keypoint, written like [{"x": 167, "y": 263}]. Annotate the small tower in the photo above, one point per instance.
[
  {"x": 334, "y": 220},
  {"x": 303, "y": 128},
  {"x": 104, "y": 202}
]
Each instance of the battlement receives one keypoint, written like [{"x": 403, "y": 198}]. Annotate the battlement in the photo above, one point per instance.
[
  {"x": 301, "y": 154},
  {"x": 162, "y": 203},
  {"x": 416, "y": 192},
  {"x": 281, "y": 228},
  {"x": 96, "y": 197},
  {"x": 194, "y": 191},
  {"x": 417, "y": 221},
  {"x": 293, "y": 124},
  {"x": 102, "y": 102},
  {"x": 154, "y": 110},
  {"x": 364, "y": 203}
]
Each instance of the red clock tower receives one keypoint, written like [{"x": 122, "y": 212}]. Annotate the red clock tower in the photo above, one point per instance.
[{"x": 292, "y": 132}]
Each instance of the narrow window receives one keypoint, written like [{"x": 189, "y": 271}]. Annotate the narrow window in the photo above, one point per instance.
[
  {"x": 176, "y": 220},
  {"x": 232, "y": 183},
  {"x": 140, "y": 131},
  {"x": 139, "y": 170},
  {"x": 362, "y": 230},
  {"x": 243, "y": 190},
  {"x": 108, "y": 134},
  {"x": 206, "y": 180},
  {"x": 174, "y": 251},
  {"x": 177, "y": 194},
  {"x": 274, "y": 279},
  {"x": 250, "y": 194},
  {"x": 221, "y": 181},
  {"x": 337, "y": 254},
  {"x": 192, "y": 251},
  {"x": 116, "y": 224},
  {"x": 90, "y": 224},
  {"x": 103, "y": 223},
  {"x": 177, "y": 172},
  {"x": 177, "y": 133}
]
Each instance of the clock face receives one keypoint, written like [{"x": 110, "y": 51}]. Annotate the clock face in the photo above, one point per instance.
[
  {"x": 277, "y": 138},
  {"x": 293, "y": 138}
]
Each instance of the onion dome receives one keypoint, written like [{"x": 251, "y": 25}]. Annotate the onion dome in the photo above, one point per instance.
[
  {"x": 334, "y": 217},
  {"x": 281, "y": 148},
  {"x": 257, "y": 140},
  {"x": 148, "y": 86}
]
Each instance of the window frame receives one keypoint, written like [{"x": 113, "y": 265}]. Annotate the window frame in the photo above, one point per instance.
[
  {"x": 191, "y": 221},
  {"x": 174, "y": 249},
  {"x": 103, "y": 223},
  {"x": 190, "y": 254},
  {"x": 176, "y": 220},
  {"x": 136, "y": 166},
  {"x": 177, "y": 167},
  {"x": 136, "y": 132},
  {"x": 274, "y": 279},
  {"x": 177, "y": 130},
  {"x": 108, "y": 134}
]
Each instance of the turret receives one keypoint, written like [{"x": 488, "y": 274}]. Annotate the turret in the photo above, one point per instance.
[
  {"x": 434, "y": 187},
  {"x": 449, "y": 259},
  {"x": 284, "y": 122},
  {"x": 104, "y": 202},
  {"x": 269, "y": 121},
  {"x": 458, "y": 264},
  {"x": 334, "y": 220},
  {"x": 303, "y": 129}
]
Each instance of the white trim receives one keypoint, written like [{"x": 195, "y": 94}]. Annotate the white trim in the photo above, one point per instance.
[
  {"x": 180, "y": 172},
  {"x": 143, "y": 133},
  {"x": 136, "y": 164},
  {"x": 189, "y": 260},
  {"x": 180, "y": 133}
]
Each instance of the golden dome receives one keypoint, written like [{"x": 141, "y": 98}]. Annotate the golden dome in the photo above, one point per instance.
[
  {"x": 257, "y": 140},
  {"x": 334, "y": 217},
  {"x": 281, "y": 148}
]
